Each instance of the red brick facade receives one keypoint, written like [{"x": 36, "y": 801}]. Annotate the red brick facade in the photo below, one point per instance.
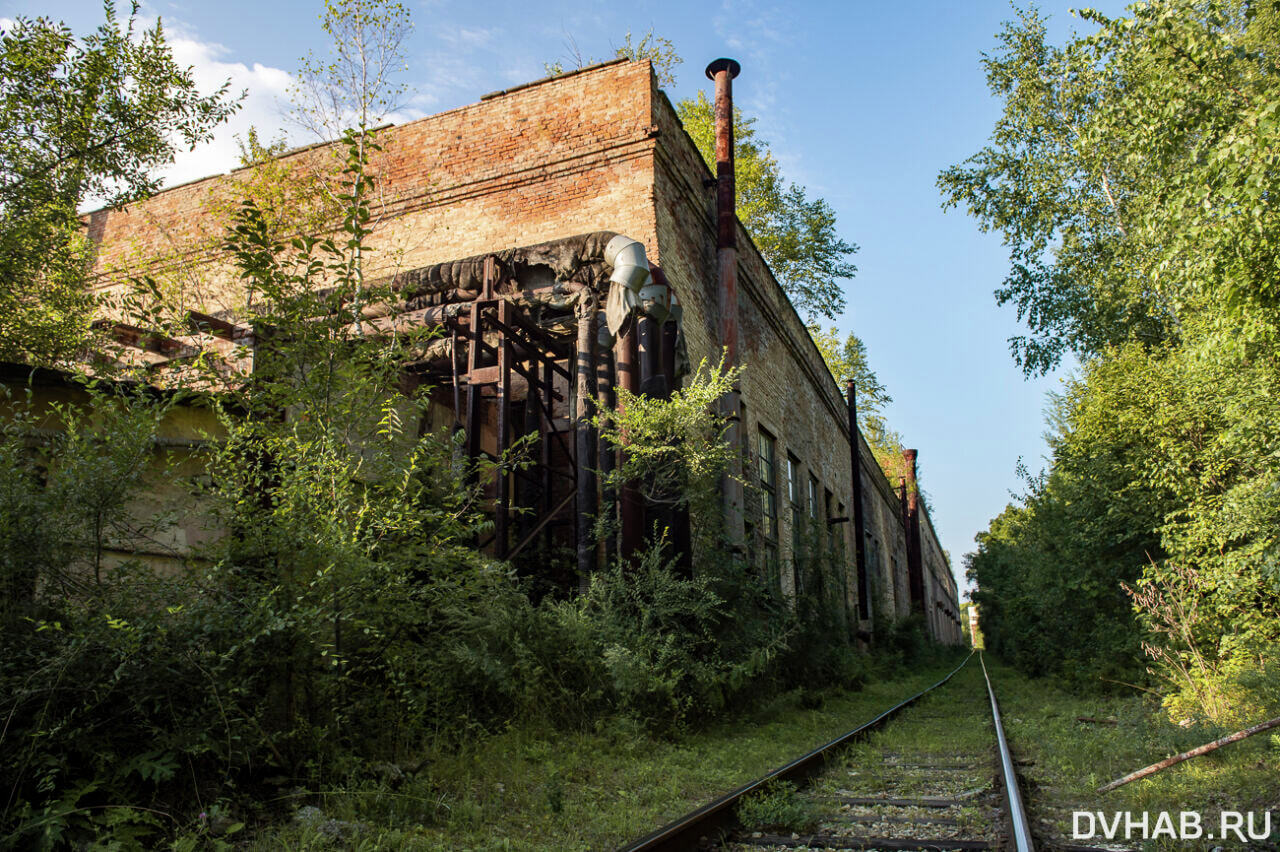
[{"x": 597, "y": 150}]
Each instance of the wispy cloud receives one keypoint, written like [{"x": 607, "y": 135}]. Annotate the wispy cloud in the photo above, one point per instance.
[
  {"x": 456, "y": 67},
  {"x": 265, "y": 90},
  {"x": 764, "y": 37}
]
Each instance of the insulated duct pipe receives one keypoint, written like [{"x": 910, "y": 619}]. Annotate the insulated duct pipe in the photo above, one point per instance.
[{"x": 630, "y": 266}]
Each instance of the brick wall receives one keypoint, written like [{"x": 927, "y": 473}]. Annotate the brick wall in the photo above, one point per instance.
[
  {"x": 600, "y": 149},
  {"x": 787, "y": 389}
]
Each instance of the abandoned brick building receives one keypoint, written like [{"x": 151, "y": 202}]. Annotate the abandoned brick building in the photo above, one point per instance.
[{"x": 567, "y": 237}]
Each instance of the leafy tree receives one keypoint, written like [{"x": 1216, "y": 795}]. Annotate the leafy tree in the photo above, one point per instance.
[
  {"x": 847, "y": 360},
  {"x": 1131, "y": 175},
  {"x": 658, "y": 50},
  {"x": 354, "y": 86},
  {"x": 80, "y": 118},
  {"x": 797, "y": 235},
  {"x": 676, "y": 450}
]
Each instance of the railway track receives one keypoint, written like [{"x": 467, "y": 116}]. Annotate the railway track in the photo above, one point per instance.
[{"x": 932, "y": 773}]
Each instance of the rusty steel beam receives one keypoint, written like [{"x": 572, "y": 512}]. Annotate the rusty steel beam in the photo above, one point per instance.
[
  {"x": 546, "y": 429},
  {"x": 215, "y": 327},
  {"x": 144, "y": 339},
  {"x": 503, "y": 495},
  {"x": 472, "y": 419},
  {"x": 541, "y": 525}
]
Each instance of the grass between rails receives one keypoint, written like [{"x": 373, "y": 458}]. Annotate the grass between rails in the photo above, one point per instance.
[
  {"x": 1073, "y": 758},
  {"x": 530, "y": 789}
]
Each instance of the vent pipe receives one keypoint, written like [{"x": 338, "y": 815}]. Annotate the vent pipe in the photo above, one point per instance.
[
  {"x": 915, "y": 566},
  {"x": 722, "y": 71}
]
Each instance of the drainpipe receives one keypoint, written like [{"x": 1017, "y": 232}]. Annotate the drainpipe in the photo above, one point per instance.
[
  {"x": 722, "y": 71},
  {"x": 630, "y": 504},
  {"x": 631, "y": 271},
  {"x": 585, "y": 435},
  {"x": 859, "y": 521},
  {"x": 915, "y": 568}
]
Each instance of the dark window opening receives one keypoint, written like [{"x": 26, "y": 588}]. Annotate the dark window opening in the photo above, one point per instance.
[{"x": 767, "y": 465}]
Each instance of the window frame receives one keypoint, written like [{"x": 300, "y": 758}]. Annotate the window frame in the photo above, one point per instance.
[{"x": 767, "y": 479}]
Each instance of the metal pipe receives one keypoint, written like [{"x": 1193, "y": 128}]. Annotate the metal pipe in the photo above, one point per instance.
[
  {"x": 915, "y": 567},
  {"x": 669, "y": 333},
  {"x": 859, "y": 521},
  {"x": 503, "y": 495},
  {"x": 630, "y": 507},
  {"x": 585, "y": 433},
  {"x": 608, "y": 546},
  {"x": 653, "y": 382},
  {"x": 682, "y": 531},
  {"x": 630, "y": 266},
  {"x": 722, "y": 71}
]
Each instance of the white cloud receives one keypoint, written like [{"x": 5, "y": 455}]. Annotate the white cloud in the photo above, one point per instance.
[{"x": 266, "y": 91}]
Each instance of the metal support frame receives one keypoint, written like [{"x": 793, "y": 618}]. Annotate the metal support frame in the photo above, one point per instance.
[{"x": 504, "y": 345}]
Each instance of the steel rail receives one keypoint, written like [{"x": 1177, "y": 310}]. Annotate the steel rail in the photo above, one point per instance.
[
  {"x": 684, "y": 834},
  {"x": 1017, "y": 813}
]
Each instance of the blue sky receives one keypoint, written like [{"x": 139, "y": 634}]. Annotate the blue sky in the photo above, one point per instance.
[{"x": 863, "y": 103}]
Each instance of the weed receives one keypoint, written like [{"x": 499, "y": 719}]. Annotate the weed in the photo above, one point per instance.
[{"x": 778, "y": 807}]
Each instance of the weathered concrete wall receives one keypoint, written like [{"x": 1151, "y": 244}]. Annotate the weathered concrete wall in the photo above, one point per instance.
[
  {"x": 173, "y": 522},
  {"x": 597, "y": 150}
]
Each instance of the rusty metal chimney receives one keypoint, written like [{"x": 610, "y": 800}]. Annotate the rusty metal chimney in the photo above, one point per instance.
[
  {"x": 722, "y": 71},
  {"x": 915, "y": 564}
]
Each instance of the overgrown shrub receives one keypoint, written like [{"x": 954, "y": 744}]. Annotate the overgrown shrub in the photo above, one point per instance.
[{"x": 337, "y": 615}]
